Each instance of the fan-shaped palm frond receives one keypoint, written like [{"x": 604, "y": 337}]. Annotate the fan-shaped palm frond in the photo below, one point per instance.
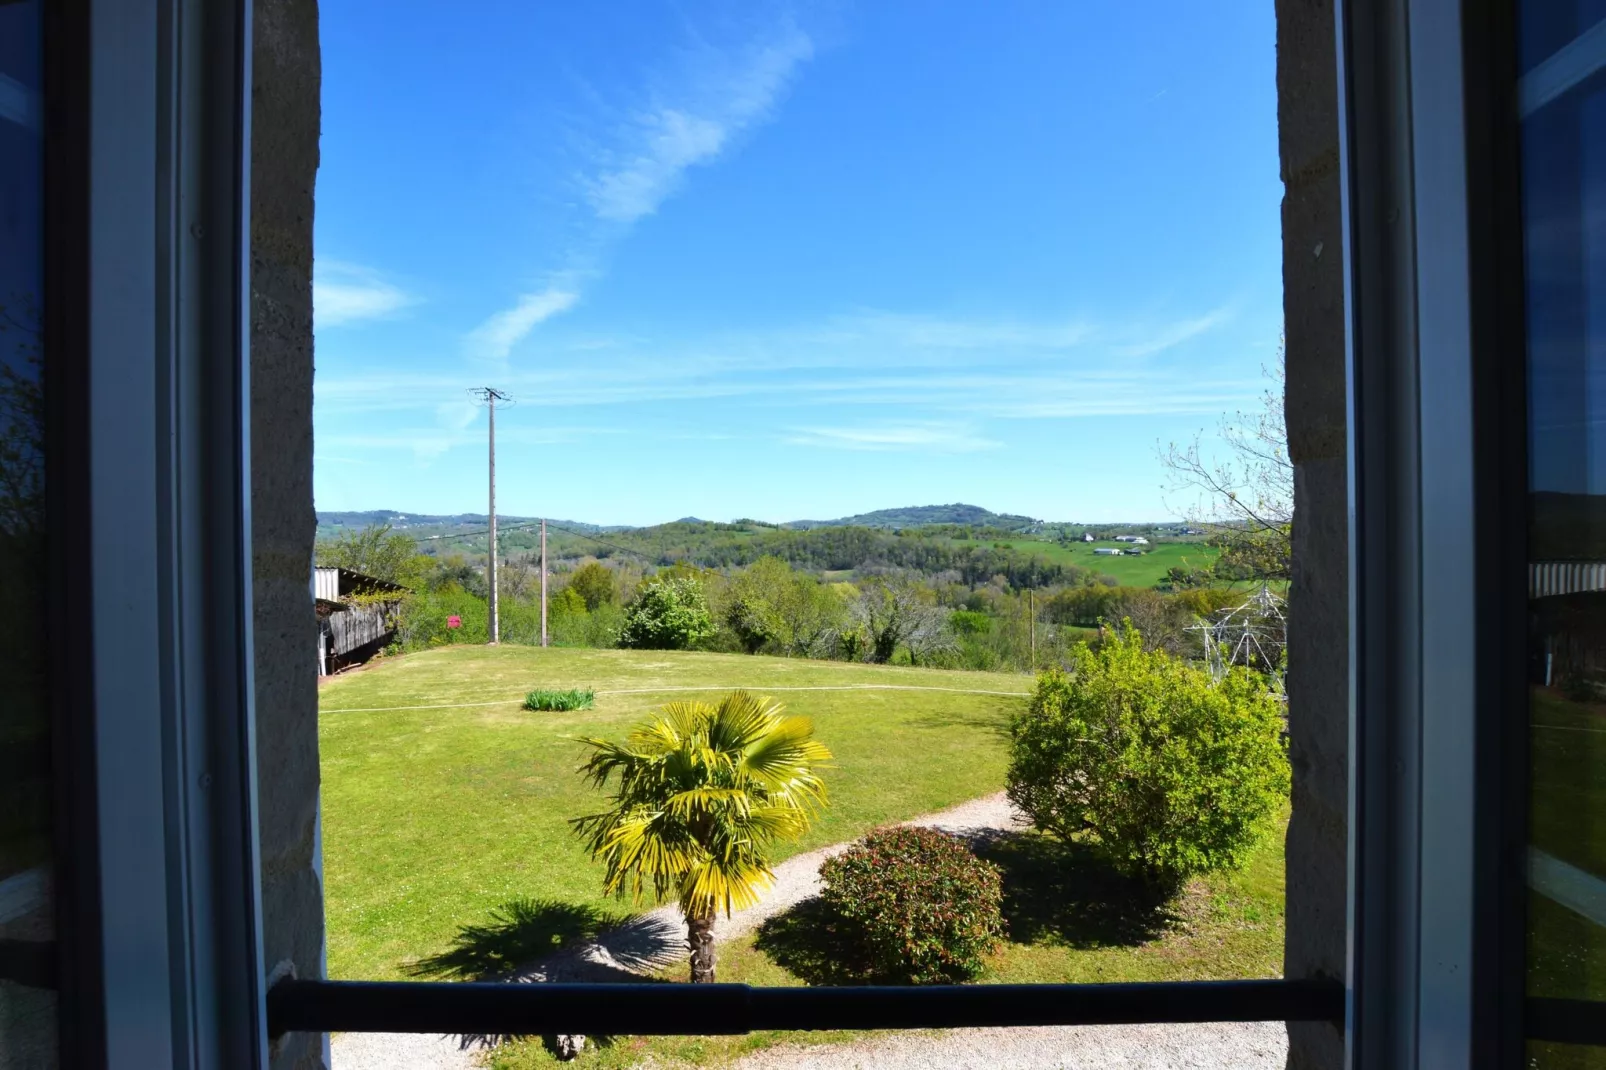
[{"x": 700, "y": 795}]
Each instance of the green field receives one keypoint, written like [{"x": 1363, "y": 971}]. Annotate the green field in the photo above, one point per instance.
[
  {"x": 1140, "y": 571},
  {"x": 436, "y": 818}
]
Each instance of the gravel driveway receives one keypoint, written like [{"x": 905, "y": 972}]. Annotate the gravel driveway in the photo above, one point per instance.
[
  {"x": 1246, "y": 1046},
  {"x": 658, "y": 937}
]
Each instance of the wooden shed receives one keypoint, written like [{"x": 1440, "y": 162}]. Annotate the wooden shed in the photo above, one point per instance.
[{"x": 351, "y": 629}]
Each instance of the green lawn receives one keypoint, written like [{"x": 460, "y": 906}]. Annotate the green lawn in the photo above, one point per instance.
[
  {"x": 435, "y": 819},
  {"x": 1140, "y": 571},
  {"x": 432, "y": 818}
]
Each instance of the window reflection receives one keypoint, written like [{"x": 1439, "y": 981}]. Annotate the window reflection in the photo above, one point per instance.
[
  {"x": 27, "y": 1009},
  {"x": 1563, "y": 100}
]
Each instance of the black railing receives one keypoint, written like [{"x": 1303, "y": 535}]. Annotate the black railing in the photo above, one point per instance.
[
  {"x": 475, "y": 1008},
  {"x": 1566, "y": 1021}
]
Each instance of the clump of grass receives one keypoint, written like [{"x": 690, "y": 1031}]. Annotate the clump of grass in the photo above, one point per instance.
[{"x": 574, "y": 698}]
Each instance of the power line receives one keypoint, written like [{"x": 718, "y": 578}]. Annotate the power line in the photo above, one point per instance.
[
  {"x": 536, "y": 524},
  {"x": 469, "y": 534},
  {"x": 601, "y": 542}
]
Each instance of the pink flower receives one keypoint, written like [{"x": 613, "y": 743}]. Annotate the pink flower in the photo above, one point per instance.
[{"x": 454, "y": 621}]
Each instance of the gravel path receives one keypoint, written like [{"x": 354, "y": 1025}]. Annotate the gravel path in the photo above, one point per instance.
[
  {"x": 1217, "y": 1046},
  {"x": 658, "y": 938}
]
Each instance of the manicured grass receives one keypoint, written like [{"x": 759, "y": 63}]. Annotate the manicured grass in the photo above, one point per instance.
[
  {"x": 435, "y": 818},
  {"x": 1145, "y": 570}
]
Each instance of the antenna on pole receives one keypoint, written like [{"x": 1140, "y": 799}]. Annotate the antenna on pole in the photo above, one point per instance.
[{"x": 489, "y": 396}]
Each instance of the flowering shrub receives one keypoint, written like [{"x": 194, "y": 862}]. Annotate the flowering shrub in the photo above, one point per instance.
[{"x": 919, "y": 906}]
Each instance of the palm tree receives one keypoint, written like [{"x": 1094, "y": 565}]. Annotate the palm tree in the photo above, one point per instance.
[{"x": 702, "y": 794}]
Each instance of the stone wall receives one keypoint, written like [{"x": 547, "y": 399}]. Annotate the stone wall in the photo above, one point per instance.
[
  {"x": 1318, "y": 601},
  {"x": 284, "y": 166}
]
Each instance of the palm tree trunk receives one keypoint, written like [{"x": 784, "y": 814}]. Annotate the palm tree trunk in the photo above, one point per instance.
[{"x": 700, "y": 934}]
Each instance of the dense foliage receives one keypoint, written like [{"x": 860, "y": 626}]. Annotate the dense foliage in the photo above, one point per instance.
[
  {"x": 949, "y": 618},
  {"x": 700, "y": 798},
  {"x": 593, "y": 582},
  {"x": 1173, "y": 774},
  {"x": 915, "y": 905},
  {"x": 667, "y": 614}
]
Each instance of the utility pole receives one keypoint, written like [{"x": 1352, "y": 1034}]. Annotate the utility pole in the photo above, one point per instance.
[
  {"x": 490, "y": 396},
  {"x": 543, "y": 581}
]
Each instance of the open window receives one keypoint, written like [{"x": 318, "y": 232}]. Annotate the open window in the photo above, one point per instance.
[{"x": 163, "y": 908}]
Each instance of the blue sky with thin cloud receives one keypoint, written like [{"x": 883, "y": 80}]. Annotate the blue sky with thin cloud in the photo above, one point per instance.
[{"x": 743, "y": 259}]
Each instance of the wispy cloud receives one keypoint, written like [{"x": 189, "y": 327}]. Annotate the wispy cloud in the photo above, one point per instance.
[
  {"x": 427, "y": 443},
  {"x": 929, "y": 438},
  {"x": 346, "y": 293},
  {"x": 1166, "y": 336},
  {"x": 497, "y": 336},
  {"x": 911, "y": 365},
  {"x": 928, "y": 333},
  {"x": 640, "y": 162},
  {"x": 729, "y": 95}
]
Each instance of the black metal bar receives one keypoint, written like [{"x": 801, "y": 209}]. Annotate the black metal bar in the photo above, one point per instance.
[
  {"x": 677, "y": 1009},
  {"x": 1566, "y": 1021}
]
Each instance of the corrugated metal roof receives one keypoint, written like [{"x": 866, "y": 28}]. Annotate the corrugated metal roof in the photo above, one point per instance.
[
  {"x": 334, "y": 584},
  {"x": 1550, "y": 578}
]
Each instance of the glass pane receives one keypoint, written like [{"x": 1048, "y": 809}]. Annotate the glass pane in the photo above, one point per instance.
[
  {"x": 27, "y": 1011},
  {"x": 1564, "y": 175},
  {"x": 745, "y": 269}
]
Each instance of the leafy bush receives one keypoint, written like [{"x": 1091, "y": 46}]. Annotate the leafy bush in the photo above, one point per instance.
[
  {"x": 594, "y": 583},
  {"x": 667, "y": 614},
  {"x": 424, "y": 614},
  {"x": 574, "y": 698},
  {"x": 968, "y": 622},
  {"x": 919, "y": 906},
  {"x": 567, "y": 602},
  {"x": 1172, "y": 773}
]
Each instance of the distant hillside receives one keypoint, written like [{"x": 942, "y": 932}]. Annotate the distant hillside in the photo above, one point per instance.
[
  {"x": 333, "y": 519},
  {"x": 916, "y": 516},
  {"x": 913, "y": 516},
  {"x": 957, "y": 515},
  {"x": 1567, "y": 527}
]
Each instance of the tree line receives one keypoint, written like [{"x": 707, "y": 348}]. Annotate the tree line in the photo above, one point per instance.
[{"x": 984, "y": 617}]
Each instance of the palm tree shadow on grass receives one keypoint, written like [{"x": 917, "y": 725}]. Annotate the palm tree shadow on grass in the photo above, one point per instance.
[
  {"x": 518, "y": 934},
  {"x": 546, "y": 940},
  {"x": 1054, "y": 893}
]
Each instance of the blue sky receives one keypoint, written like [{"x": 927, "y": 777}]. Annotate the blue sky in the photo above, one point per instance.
[{"x": 738, "y": 259}]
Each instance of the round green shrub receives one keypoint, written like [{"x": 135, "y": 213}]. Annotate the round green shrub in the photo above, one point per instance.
[
  {"x": 916, "y": 904},
  {"x": 1171, "y": 772},
  {"x": 667, "y": 614}
]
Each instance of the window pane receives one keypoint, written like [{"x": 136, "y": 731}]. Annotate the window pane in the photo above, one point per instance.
[
  {"x": 1564, "y": 177},
  {"x": 27, "y": 1011},
  {"x": 747, "y": 269}
]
